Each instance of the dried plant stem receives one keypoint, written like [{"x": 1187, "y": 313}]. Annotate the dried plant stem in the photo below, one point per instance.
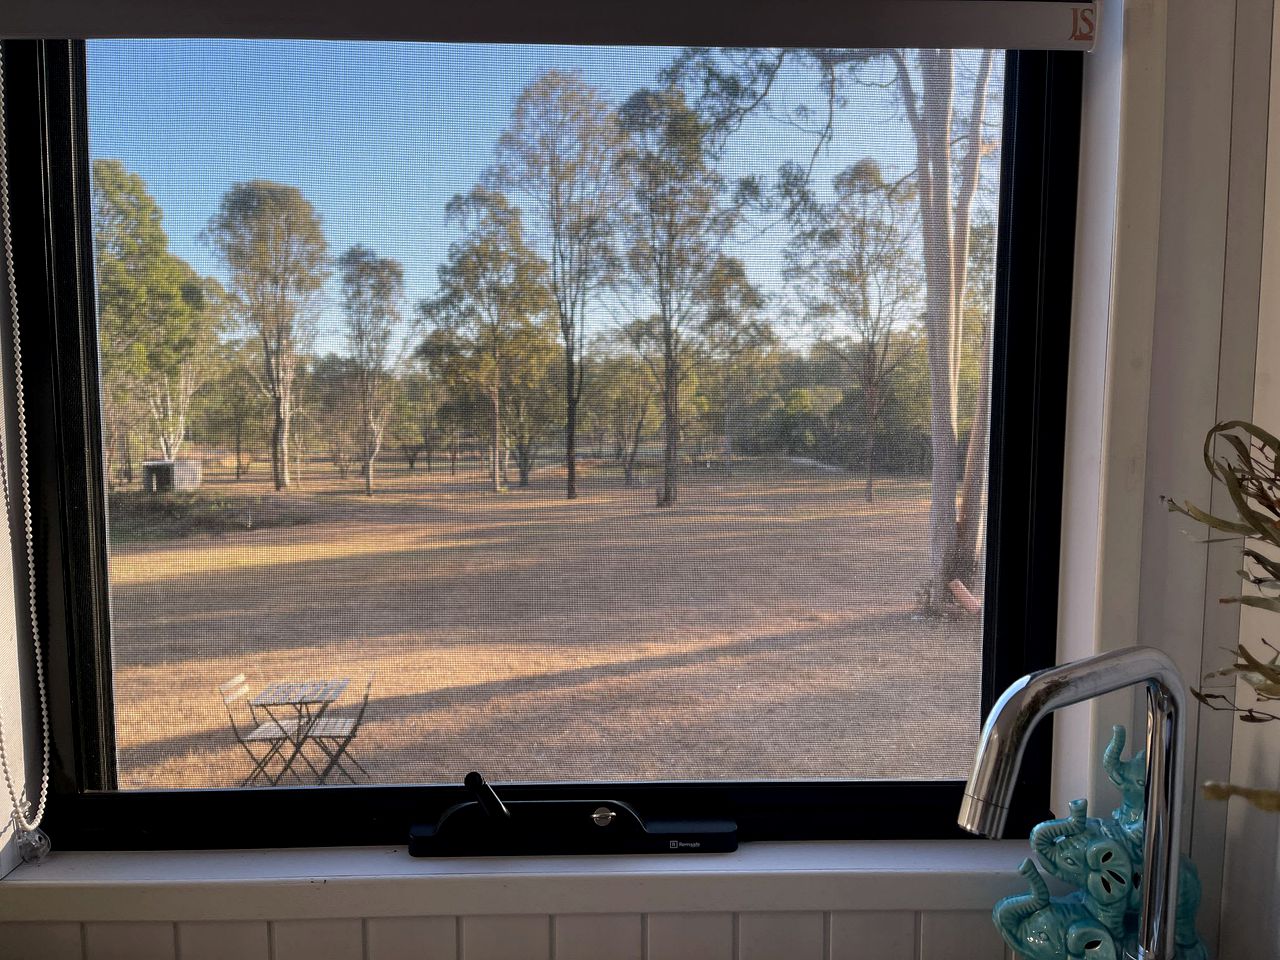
[{"x": 1268, "y": 800}]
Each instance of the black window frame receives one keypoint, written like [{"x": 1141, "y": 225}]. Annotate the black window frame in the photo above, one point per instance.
[{"x": 46, "y": 122}]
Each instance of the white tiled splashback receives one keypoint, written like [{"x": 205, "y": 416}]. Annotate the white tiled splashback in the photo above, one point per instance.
[{"x": 792, "y": 935}]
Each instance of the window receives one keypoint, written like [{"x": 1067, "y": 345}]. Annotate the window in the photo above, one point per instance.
[{"x": 615, "y": 420}]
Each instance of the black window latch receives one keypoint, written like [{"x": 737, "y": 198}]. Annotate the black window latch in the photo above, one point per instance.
[{"x": 488, "y": 826}]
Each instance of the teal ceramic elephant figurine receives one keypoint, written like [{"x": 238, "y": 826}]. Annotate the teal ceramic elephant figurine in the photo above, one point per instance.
[
  {"x": 1041, "y": 927},
  {"x": 1130, "y": 777},
  {"x": 1101, "y": 860},
  {"x": 1078, "y": 851}
]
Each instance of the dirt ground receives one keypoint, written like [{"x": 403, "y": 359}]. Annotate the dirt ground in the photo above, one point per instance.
[{"x": 761, "y": 629}]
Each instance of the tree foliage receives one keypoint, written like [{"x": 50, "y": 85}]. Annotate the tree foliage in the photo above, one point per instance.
[
  {"x": 271, "y": 242},
  {"x": 594, "y": 289},
  {"x": 372, "y": 295},
  {"x": 158, "y": 320},
  {"x": 675, "y": 225},
  {"x": 559, "y": 154},
  {"x": 852, "y": 261},
  {"x": 491, "y": 294},
  {"x": 949, "y": 145}
]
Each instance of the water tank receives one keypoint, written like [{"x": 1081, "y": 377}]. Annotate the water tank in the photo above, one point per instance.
[{"x": 167, "y": 476}]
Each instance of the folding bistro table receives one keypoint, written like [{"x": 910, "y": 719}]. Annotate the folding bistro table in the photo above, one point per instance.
[{"x": 297, "y": 707}]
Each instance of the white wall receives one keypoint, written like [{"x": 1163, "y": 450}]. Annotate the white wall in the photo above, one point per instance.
[
  {"x": 1250, "y": 917},
  {"x": 774, "y": 935},
  {"x": 1203, "y": 352}
]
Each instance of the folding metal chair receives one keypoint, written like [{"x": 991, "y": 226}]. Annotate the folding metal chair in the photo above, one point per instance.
[
  {"x": 264, "y": 740},
  {"x": 333, "y": 735}
]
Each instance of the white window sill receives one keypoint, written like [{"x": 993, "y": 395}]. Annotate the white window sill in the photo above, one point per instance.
[{"x": 387, "y": 882}]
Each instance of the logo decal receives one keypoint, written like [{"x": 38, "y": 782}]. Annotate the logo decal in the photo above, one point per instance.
[{"x": 1083, "y": 23}]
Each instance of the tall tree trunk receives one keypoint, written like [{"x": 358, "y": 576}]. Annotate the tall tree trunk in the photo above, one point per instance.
[
  {"x": 945, "y": 217},
  {"x": 671, "y": 425},
  {"x": 524, "y": 461},
  {"x": 372, "y": 445},
  {"x": 940, "y": 318},
  {"x": 495, "y": 448},
  {"x": 632, "y": 451},
  {"x": 277, "y": 454},
  {"x": 727, "y": 426},
  {"x": 945, "y": 473},
  {"x": 239, "y": 445},
  {"x": 293, "y": 448},
  {"x": 280, "y": 444},
  {"x": 870, "y": 453},
  {"x": 570, "y": 425},
  {"x": 973, "y": 488}
]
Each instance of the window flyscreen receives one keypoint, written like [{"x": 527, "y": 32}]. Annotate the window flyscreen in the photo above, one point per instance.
[{"x": 594, "y": 413}]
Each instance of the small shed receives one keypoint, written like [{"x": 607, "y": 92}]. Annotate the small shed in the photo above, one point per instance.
[{"x": 167, "y": 476}]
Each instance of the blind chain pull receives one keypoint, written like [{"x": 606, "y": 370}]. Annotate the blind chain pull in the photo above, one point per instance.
[{"x": 33, "y": 843}]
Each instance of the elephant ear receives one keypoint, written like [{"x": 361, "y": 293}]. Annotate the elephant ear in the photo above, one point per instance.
[
  {"x": 1110, "y": 872},
  {"x": 1087, "y": 940}
]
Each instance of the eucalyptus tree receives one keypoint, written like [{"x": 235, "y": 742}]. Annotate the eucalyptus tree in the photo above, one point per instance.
[
  {"x": 950, "y": 141},
  {"x": 491, "y": 292},
  {"x": 271, "y": 242},
  {"x": 327, "y": 415},
  {"x": 674, "y": 223},
  {"x": 854, "y": 267},
  {"x": 558, "y": 154},
  {"x": 625, "y": 398},
  {"x": 412, "y": 424},
  {"x": 738, "y": 366},
  {"x": 372, "y": 297},
  {"x": 158, "y": 320},
  {"x": 232, "y": 409},
  {"x": 531, "y": 395}
]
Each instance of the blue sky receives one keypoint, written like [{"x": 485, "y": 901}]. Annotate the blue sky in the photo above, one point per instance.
[{"x": 379, "y": 136}]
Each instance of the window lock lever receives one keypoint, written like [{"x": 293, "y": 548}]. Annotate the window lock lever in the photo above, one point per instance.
[{"x": 486, "y": 796}]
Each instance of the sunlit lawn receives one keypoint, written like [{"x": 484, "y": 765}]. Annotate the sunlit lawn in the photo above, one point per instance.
[{"x": 762, "y": 628}]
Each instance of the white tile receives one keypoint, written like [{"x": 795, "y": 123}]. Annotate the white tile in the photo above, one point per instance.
[
  {"x": 598, "y": 936},
  {"x": 505, "y": 938},
  {"x": 780, "y": 936},
  {"x": 873, "y": 935},
  {"x": 40, "y": 941},
  {"x": 318, "y": 940},
  {"x": 128, "y": 941},
  {"x": 243, "y": 940},
  {"x": 690, "y": 936},
  {"x": 411, "y": 938},
  {"x": 959, "y": 935}
]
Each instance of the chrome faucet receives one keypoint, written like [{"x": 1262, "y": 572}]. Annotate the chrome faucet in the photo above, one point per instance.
[{"x": 985, "y": 806}]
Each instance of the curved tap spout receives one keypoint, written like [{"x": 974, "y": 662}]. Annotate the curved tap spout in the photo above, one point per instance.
[{"x": 987, "y": 795}]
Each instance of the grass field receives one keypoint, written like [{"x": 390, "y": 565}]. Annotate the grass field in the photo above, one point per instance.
[{"x": 762, "y": 628}]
